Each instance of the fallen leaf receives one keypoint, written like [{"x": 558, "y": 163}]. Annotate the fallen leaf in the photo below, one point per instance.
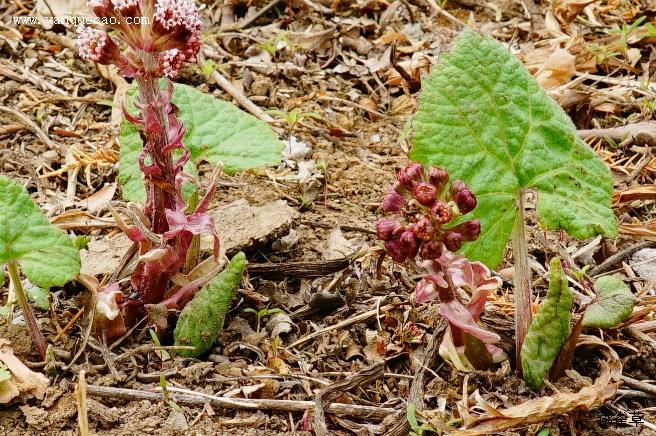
[
  {"x": 337, "y": 246},
  {"x": 278, "y": 324},
  {"x": 558, "y": 69},
  {"x": 23, "y": 381},
  {"x": 80, "y": 220},
  {"x": 97, "y": 201}
]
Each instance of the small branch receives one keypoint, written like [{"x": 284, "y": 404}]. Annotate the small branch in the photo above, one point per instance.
[
  {"x": 30, "y": 319},
  {"x": 641, "y": 133},
  {"x": 522, "y": 281},
  {"x": 239, "y": 96},
  {"x": 81, "y": 401},
  {"x": 328, "y": 394},
  {"x": 31, "y": 125},
  {"x": 618, "y": 257},
  {"x": 258, "y": 14},
  {"x": 190, "y": 398}
]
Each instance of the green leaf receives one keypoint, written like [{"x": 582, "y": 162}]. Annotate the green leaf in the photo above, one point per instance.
[
  {"x": 39, "y": 297},
  {"x": 549, "y": 330},
  {"x": 45, "y": 253},
  {"x": 410, "y": 415},
  {"x": 217, "y": 131},
  {"x": 488, "y": 122},
  {"x": 201, "y": 320},
  {"x": 613, "y": 305}
]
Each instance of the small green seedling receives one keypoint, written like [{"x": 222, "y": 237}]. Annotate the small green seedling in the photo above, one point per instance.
[
  {"x": 202, "y": 319},
  {"x": 262, "y": 313},
  {"x": 46, "y": 255},
  {"x": 416, "y": 429},
  {"x": 162, "y": 353}
]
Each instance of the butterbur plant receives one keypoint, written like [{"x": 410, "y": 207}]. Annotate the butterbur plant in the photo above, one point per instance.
[
  {"x": 422, "y": 206},
  {"x": 152, "y": 53},
  {"x": 485, "y": 119}
]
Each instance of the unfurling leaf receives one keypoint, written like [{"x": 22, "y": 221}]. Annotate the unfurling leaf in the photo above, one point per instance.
[
  {"x": 484, "y": 118},
  {"x": 613, "y": 305},
  {"x": 217, "y": 131},
  {"x": 202, "y": 319},
  {"x": 46, "y": 254},
  {"x": 549, "y": 330}
]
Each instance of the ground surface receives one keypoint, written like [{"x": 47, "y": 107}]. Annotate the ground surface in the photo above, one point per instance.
[{"x": 331, "y": 58}]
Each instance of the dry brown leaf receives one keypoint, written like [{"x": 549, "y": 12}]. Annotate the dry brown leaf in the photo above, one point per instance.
[
  {"x": 78, "y": 219},
  {"x": 544, "y": 408},
  {"x": 558, "y": 69},
  {"x": 645, "y": 192},
  {"x": 23, "y": 380},
  {"x": 337, "y": 246},
  {"x": 97, "y": 201},
  {"x": 391, "y": 37},
  {"x": 646, "y": 229},
  {"x": 567, "y": 10}
]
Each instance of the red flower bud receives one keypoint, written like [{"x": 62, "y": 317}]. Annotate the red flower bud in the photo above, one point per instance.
[
  {"x": 430, "y": 249},
  {"x": 424, "y": 228},
  {"x": 453, "y": 241},
  {"x": 393, "y": 202},
  {"x": 469, "y": 230},
  {"x": 410, "y": 175},
  {"x": 457, "y": 186},
  {"x": 395, "y": 250},
  {"x": 438, "y": 177},
  {"x": 409, "y": 244},
  {"x": 387, "y": 229},
  {"x": 425, "y": 193},
  {"x": 442, "y": 212},
  {"x": 465, "y": 200}
]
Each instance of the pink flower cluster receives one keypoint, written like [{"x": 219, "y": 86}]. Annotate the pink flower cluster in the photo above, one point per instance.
[
  {"x": 173, "y": 37},
  {"x": 425, "y": 207},
  {"x": 423, "y": 204}
]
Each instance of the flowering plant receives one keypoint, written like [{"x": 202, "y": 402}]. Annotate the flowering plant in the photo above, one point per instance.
[
  {"x": 147, "y": 51},
  {"x": 422, "y": 205}
]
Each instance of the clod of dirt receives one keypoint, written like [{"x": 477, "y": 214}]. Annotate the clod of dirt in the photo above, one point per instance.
[
  {"x": 241, "y": 226},
  {"x": 55, "y": 418}
]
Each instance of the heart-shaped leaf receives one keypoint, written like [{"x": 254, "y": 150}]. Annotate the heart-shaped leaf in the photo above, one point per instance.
[
  {"x": 485, "y": 119},
  {"x": 613, "y": 305},
  {"x": 217, "y": 131},
  {"x": 549, "y": 330},
  {"x": 46, "y": 254}
]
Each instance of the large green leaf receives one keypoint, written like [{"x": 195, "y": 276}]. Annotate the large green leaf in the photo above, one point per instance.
[
  {"x": 46, "y": 254},
  {"x": 549, "y": 330},
  {"x": 613, "y": 305},
  {"x": 217, "y": 131},
  {"x": 488, "y": 122}
]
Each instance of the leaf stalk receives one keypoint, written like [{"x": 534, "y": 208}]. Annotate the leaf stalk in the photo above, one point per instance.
[
  {"x": 30, "y": 319},
  {"x": 522, "y": 281}
]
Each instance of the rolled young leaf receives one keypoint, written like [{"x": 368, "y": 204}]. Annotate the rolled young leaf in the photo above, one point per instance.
[
  {"x": 549, "y": 330},
  {"x": 202, "y": 319}
]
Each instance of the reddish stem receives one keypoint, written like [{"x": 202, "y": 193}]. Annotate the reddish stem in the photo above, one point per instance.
[{"x": 28, "y": 314}]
